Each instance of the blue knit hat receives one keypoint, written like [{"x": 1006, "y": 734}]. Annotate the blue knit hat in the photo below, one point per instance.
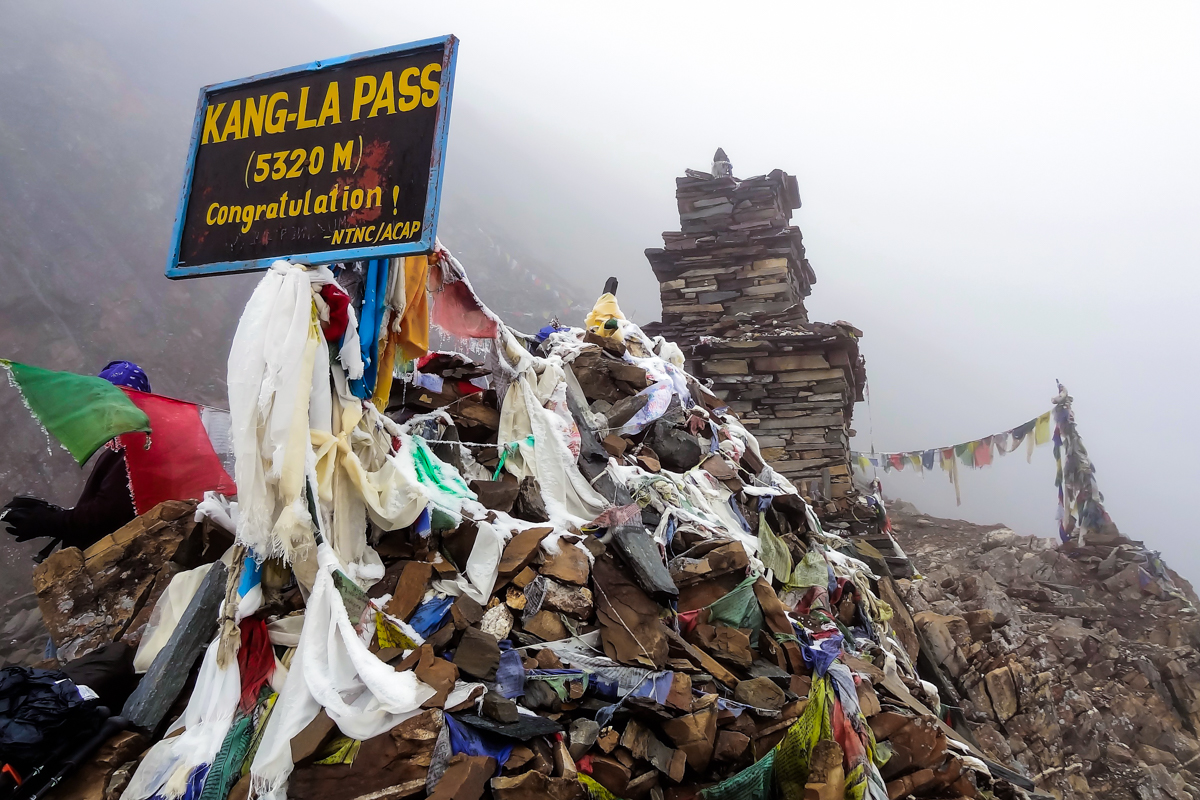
[{"x": 126, "y": 373}]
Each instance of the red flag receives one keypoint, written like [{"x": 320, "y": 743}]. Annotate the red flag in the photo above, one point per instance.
[
  {"x": 457, "y": 310},
  {"x": 983, "y": 452},
  {"x": 180, "y": 463}
]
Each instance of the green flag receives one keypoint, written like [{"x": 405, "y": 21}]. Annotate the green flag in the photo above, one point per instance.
[{"x": 81, "y": 411}]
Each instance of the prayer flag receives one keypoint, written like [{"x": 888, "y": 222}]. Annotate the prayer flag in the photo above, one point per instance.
[
  {"x": 81, "y": 411},
  {"x": 983, "y": 452},
  {"x": 947, "y": 455},
  {"x": 458, "y": 311},
  {"x": 1041, "y": 429},
  {"x": 896, "y": 460},
  {"x": 180, "y": 461},
  {"x": 966, "y": 453}
]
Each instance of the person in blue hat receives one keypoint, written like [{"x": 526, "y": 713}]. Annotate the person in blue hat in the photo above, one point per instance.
[{"x": 105, "y": 503}]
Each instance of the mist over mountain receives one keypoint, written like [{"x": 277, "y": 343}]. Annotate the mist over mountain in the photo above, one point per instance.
[
  {"x": 96, "y": 107},
  {"x": 996, "y": 197}
]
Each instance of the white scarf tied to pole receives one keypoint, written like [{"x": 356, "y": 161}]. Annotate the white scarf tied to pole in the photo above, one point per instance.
[
  {"x": 207, "y": 719},
  {"x": 334, "y": 670},
  {"x": 570, "y": 499},
  {"x": 270, "y": 378}
]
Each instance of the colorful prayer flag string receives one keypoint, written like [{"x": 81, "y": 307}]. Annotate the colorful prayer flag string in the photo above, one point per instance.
[{"x": 974, "y": 454}]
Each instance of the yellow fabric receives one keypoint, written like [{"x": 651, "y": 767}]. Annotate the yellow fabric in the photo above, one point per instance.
[
  {"x": 389, "y": 635},
  {"x": 405, "y": 325},
  {"x": 950, "y": 466},
  {"x": 293, "y": 529},
  {"x": 414, "y": 321},
  {"x": 383, "y": 377},
  {"x": 390, "y": 493},
  {"x": 340, "y": 750},
  {"x": 1041, "y": 429},
  {"x": 594, "y": 790},
  {"x": 606, "y": 308},
  {"x": 915, "y": 458},
  {"x": 792, "y": 754}
]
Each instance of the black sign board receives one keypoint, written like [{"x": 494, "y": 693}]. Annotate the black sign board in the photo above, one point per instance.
[{"x": 336, "y": 160}]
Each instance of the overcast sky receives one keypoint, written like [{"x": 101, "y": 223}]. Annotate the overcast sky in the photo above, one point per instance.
[{"x": 997, "y": 196}]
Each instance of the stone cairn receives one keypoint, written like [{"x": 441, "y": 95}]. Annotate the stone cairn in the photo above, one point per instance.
[{"x": 732, "y": 282}]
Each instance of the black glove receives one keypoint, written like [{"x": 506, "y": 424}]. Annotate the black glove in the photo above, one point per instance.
[{"x": 30, "y": 518}]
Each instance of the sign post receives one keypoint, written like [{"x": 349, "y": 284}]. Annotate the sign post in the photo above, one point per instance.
[{"x": 337, "y": 160}]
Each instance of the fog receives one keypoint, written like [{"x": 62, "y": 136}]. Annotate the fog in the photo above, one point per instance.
[{"x": 998, "y": 197}]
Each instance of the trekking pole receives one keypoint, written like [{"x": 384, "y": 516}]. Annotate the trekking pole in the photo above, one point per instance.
[{"x": 111, "y": 726}]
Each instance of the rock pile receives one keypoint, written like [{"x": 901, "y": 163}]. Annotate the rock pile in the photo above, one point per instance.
[
  {"x": 573, "y": 568},
  {"x": 703, "y": 636},
  {"x": 733, "y": 283},
  {"x": 1080, "y": 663},
  {"x": 795, "y": 387},
  {"x": 735, "y": 253}
]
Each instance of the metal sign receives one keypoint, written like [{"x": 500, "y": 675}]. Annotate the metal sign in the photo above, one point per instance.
[{"x": 336, "y": 160}]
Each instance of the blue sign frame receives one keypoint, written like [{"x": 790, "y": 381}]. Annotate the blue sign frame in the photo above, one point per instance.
[{"x": 433, "y": 197}]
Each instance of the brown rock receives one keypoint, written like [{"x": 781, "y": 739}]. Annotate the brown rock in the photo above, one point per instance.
[
  {"x": 547, "y": 626},
  {"x": 534, "y": 785},
  {"x": 608, "y": 739},
  {"x": 465, "y": 612},
  {"x": 89, "y": 598},
  {"x": 642, "y": 785},
  {"x": 514, "y": 598},
  {"x": 540, "y": 695},
  {"x": 623, "y": 607},
  {"x": 574, "y": 601},
  {"x": 916, "y": 741},
  {"x": 529, "y": 505},
  {"x": 939, "y": 632},
  {"x": 980, "y": 623},
  {"x": 868, "y": 701},
  {"x": 548, "y": 659},
  {"x": 648, "y": 462},
  {"x": 90, "y": 780},
  {"x": 826, "y": 780},
  {"x": 496, "y": 495},
  {"x": 410, "y": 588},
  {"x": 438, "y": 673},
  {"x": 910, "y": 784},
  {"x": 570, "y": 565},
  {"x": 680, "y": 696},
  {"x": 645, "y": 745},
  {"x": 465, "y": 778},
  {"x": 695, "y": 735},
  {"x": 760, "y": 693},
  {"x": 615, "y": 445},
  {"x": 1001, "y": 689},
  {"x": 478, "y": 654},
  {"x": 524, "y": 578},
  {"x": 309, "y": 741},
  {"x": 457, "y": 545},
  {"x": 726, "y": 644},
  {"x": 564, "y": 764},
  {"x": 520, "y": 552},
  {"x": 611, "y": 774},
  {"x": 730, "y": 746},
  {"x": 701, "y": 659}
]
